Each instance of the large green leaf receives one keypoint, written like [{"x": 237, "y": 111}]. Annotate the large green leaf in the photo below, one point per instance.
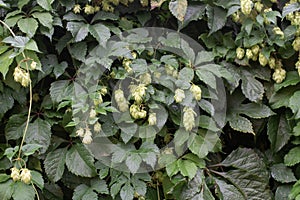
[
  {"x": 28, "y": 26},
  {"x": 216, "y": 18},
  {"x": 55, "y": 164},
  {"x": 228, "y": 191},
  {"x": 37, "y": 179},
  {"x": 83, "y": 192},
  {"x": 133, "y": 162},
  {"x": 187, "y": 168},
  {"x": 178, "y": 8},
  {"x": 282, "y": 192},
  {"x": 282, "y": 174},
  {"x": 250, "y": 175},
  {"x": 279, "y": 132},
  {"x": 5, "y": 62},
  {"x": 53, "y": 192},
  {"x": 45, "y": 18},
  {"x": 46, "y": 4},
  {"x": 15, "y": 127},
  {"x": 127, "y": 192},
  {"x": 292, "y": 158},
  {"x": 240, "y": 123},
  {"x": 80, "y": 161},
  {"x": 292, "y": 78},
  {"x": 294, "y": 104},
  {"x": 23, "y": 191},
  {"x": 6, "y": 190},
  {"x": 39, "y": 132},
  {"x": 100, "y": 32},
  {"x": 58, "y": 90}
]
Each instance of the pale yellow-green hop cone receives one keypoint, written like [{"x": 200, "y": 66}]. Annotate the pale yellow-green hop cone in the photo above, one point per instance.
[
  {"x": 179, "y": 95},
  {"x": 255, "y": 50},
  {"x": 25, "y": 176},
  {"x": 97, "y": 127},
  {"x": 15, "y": 174},
  {"x": 189, "y": 118},
  {"x": 93, "y": 113},
  {"x": 279, "y": 75},
  {"x": 272, "y": 62},
  {"x": 139, "y": 92},
  {"x": 240, "y": 53},
  {"x": 77, "y": 9},
  {"x": 246, "y": 6},
  {"x": 263, "y": 61},
  {"x": 296, "y": 44},
  {"x": 33, "y": 65},
  {"x": 249, "y": 54},
  {"x": 279, "y": 32},
  {"x": 152, "y": 119},
  {"x": 197, "y": 92},
  {"x": 80, "y": 132}
]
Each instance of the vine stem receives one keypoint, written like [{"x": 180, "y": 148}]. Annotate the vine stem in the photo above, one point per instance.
[{"x": 29, "y": 109}]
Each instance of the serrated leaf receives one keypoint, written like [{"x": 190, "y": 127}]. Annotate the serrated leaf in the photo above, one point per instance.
[
  {"x": 193, "y": 13},
  {"x": 241, "y": 124},
  {"x": 39, "y": 132},
  {"x": 53, "y": 192},
  {"x": 83, "y": 192},
  {"x": 294, "y": 104},
  {"x": 22, "y": 3},
  {"x": 282, "y": 174},
  {"x": 100, "y": 32},
  {"x": 57, "y": 90},
  {"x": 45, "y": 18},
  {"x": 228, "y": 191},
  {"x": 37, "y": 179},
  {"x": 282, "y": 192},
  {"x": 15, "y": 127},
  {"x": 178, "y": 8},
  {"x": 100, "y": 186},
  {"x": 29, "y": 149},
  {"x": 216, "y": 18},
  {"x": 60, "y": 69},
  {"x": 5, "y": 62},
  {"x": 133, "y": 162},
  {"x": 78, "y": 51},
  {"x": 55, "y": 164},
  {"x": 74, "y": 28},
  {"x": 252, "y": 88},
  {"x": 6, "y": 190},
  {"x": 292, "y": 78},
  {"x": 290, "y": 8},
  {"x": 28, "y": 26},
  {"x": 187, "y": 168},
  {"x": 46, "y": 4},
  {"x": 127, "y": 192},
  {"x": 172, "y": 169},
  {"x": 23, "y": 191},
  {"x": 292, "y": 157},
  {"x": 80, "y": 162},
  {"x": 278, "y": 132},
  {"x": 254, "y": 110},
  {"x": 32, "y": 46},
  {"x": 4, "y": 178}
]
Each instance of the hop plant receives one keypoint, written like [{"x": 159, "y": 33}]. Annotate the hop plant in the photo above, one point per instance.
[
  {"x": 189, "y": 118},
  {"x": 77, "y": 9},
  {"x": 152, "y": 119},
  {"x": 240, "y": 53},
  {"x": 136, "y": 112},
  {"x": 296, "y": 44},
  {"x": 98, "y": 99},
  {"x": 279, "y": 32},
  {"x": 258, "y": 6},
  {"x": 25, "y": 176},
  {"x": 15, "y": 174},
  {"x": 145, "y": 78},
  {"x": 93, "y": 113},
  {"x": 279, "y": 75},
  {"x": 246, "y": 6},
  {"x": 88, "y": 9},
  {"x": 121, "y": 101},
  {"x": 87, "y": 138},
  {"x": 179, "y": 95},
  {"x": 255, "y": 50},
  {"x": 263, "y": 61},
  {"x": 249, "y": 54},
  {"x": 80, "y": 132},
  {"x": 236, "y": 16},
  {"x": 197, "y": 92},
  {"x": 139, "y": 92},
  {"x": 272, "y": 62},
  {"x": 97, "y": 127},
  {"x": 21, "y": 76},
  {"x": 33, "y": 65},
  {"x": 103, "y": 91}
]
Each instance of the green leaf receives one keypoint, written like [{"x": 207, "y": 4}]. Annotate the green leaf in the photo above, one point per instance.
[
  {"x": 282, "y": 192},
  {"x": 282, "y": 174},
  {"x": 250, "y": 175},
  {"x": 39, "y": 132},
  {"x": 23, "y": 191},
  {"x": 100, "y": 186},
  {"x": 55, "y": 164},
  {"x": 5, "y": 62},
  {"x": 133, "y": 162},
  {"x": 204, "y": 57},
  {"x": 83, "y": 192},
  {"x": 6, "y": 190},
  {"x": 32, "y": 46},
  {"x": 28, "y": 26},
  {"x": 292, "y": 158},
  {"x": 228, "y": 191},
  {"x": 37, "y": 179},
  {"x": 58, "y": 90},
  {"x": 254, "y": 110},
  {"x": 278, "y": 132},
  {"x": 78, "y": 51},
  {"x": 100, "y": 32},
  {"x": 29, "y": 149},
  {"x": 292, "y": 78},
  {"x": 172, "y": 169},
  {"x": 252, "y": 88},
  {"x": 216, "y": 18},
  {"x": 60, "y": 69},
  {"x": 11, "y": 152},
  {"x": 53, "y": 192},
  {"x": 241, "y": 124},
  {"x": 45, "y": 18},
  {"x": 282, "y": 97},
  {"x": 15, "y": 127},
  {"x": 4, "y": 178},
  {"x": 127, "y": 192},
  {"x": 46, "y": 4},
  {"x": 178, "y": 8},
  {"x": 290, "y": 8},
  {"x": 294, "y": 104},
  {"x": 180, "y": 137},
  {"x": 186, "y": 74},
  {"x": 193, "y": 13},
  {"x": 22, "y": 3},
  {"x": 187, "y": 168},
  {"x": 80, "y": 161},
  {"x": 296, "y": 130}
]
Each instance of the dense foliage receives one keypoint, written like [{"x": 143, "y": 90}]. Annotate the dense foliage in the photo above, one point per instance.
[{"x": 85, "y": 116}]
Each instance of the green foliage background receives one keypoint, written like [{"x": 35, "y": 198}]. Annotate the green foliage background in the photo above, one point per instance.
[{"x": 254, "y": 46}]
